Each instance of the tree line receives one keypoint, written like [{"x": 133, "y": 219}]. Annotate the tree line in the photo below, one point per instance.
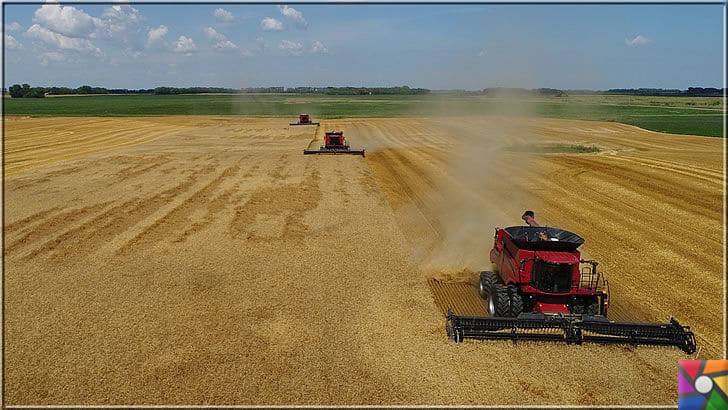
[
  {"x": 26, "y": 91},
  {"x": 658, "y": 92}
]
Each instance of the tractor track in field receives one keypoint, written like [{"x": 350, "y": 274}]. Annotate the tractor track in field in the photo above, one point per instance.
[{"x": 175, "y": 224}]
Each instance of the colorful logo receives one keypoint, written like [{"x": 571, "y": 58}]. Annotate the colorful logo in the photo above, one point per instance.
[{"x": 702, "y": 385}]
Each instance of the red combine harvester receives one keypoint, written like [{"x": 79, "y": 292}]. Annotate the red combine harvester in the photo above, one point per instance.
[
  {"x": 543, "y": 290},
  {"x": 334, "y": 143},
  {"x": 304, "y": 119}
]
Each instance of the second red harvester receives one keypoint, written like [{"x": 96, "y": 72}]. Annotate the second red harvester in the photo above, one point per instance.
[{"x": 335, "y": 143}]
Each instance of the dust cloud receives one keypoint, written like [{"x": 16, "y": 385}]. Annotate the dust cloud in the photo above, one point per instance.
[{"x": 481, "y": 189}]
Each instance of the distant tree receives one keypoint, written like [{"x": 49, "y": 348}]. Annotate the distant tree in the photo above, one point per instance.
[
  {"x": 16, "y": 91},
  {"x": 36, "y": 92}
]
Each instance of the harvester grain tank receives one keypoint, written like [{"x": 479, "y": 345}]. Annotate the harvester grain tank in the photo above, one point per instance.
[
  {"x": 304, "y": 119},
  {"x": 335, "y": 143},
  {"x": 543, "y": 290}
]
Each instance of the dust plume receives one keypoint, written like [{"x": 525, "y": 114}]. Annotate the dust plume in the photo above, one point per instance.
[{"x": 484, "y": 187}]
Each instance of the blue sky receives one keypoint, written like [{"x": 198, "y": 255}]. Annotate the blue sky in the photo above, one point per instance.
[{"x": 430, "y": 46}]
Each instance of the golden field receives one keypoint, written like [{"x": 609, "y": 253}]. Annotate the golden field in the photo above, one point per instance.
[{"x": 206, "y": 260}]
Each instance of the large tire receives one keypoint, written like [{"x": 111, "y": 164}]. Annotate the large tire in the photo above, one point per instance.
[
  {"x": 516, "y": 302},
  {"x": 499, "y": 303},
  {"x": 593, "y": 307},
  {"x": 577, "y": 308},
  {"x": 487, "y": 280}
]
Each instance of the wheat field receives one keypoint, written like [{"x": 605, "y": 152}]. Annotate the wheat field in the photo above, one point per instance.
[{"x": 206, "y": 260}]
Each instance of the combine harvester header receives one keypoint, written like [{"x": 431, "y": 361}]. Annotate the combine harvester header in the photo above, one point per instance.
[{"x": 543, "y": 290}]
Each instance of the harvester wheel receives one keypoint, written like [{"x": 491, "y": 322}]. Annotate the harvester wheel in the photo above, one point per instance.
[
  {"x": 577, "y": 308},
  {"x": 516, "y": 301},
  {"x": 499, "y": 303},
  {"x": 593, "y": 307},
  {"x": 487, "y": 280}
]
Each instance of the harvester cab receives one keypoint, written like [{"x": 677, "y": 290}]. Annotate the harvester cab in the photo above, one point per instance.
[
  {"x": 335, "y": 140},
  {"x": 335, "y": 143},
  {"x": 304, "y": 119},
  {"x": 541, "y": 289}
]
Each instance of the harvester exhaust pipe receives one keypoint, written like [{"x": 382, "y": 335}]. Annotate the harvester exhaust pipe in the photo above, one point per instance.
[{"x": 528, "y": 216}]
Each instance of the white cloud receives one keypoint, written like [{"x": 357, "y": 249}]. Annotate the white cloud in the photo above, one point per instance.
[
  {"x": 123, "y": 13},
  {"x": 219, "y": 40},
  {"x": 156, "y": 34},
  {"x": 66, "y": 20},
  {"x": 14, "y": 26},
  {"x": 42, "y": 34},
  {"x": 184, "y": 45},
  {"x": 223, "y": 16},
  {"x": 271, "y": 24},
  {"x": 51, "y": 56},
  {"x": 121, "y": 24},
  {"x": 638, "y": 41},
  {"x": 212, "y": 34},
  {"x": 482, "y": 52},
  {"x": 11, "y": 43},
  {"x": 319, "y": 48},
  {"x": 294, "y": 15},
  {"x": 225, "y": 45},
  {"x": 291, "y": 47}
]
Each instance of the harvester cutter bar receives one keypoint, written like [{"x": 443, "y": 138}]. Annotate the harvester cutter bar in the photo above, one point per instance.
[
  {"x": 304, "y": 123},
  {"x": 570, "y": 329}
]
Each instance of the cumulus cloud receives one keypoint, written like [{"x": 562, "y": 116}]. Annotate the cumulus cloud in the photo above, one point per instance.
[
  {"x": 14, "y": 26},
  {"x": 184, "y": 45},
  {"x": 638, "y": 41},
  {"x": 294, "y": 15},
  {"x": 123, "y": 14},
  {"x": 319, "y": 48},
  {"x": 66, "y": 20},
  {"x": 271, "y": 24},
  {"x": 291, "y": 47},
  {"x": 48, "y": 37},
  {"x": 11, "y": 43},
  {"x": 218, "y": 40},
  {"x": 121, "y": 24},
  {"x": 212, "y": 34},
  {"x": 223, "y": 16},
  {"x": 156, "y": 34}
]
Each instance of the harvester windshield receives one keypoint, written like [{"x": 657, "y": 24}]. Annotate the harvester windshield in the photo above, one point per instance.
[{"x": 552, "y": 277}]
